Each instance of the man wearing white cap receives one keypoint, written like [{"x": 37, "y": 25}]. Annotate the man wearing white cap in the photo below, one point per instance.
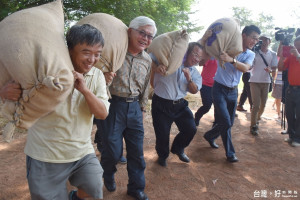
[{"x": 264, "y": 63}]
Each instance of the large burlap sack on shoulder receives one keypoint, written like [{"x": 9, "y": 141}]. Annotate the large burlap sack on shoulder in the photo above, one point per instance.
[
  {"x": 226, "y": 36},
  {"x": 169, "y": 49},
  {"x": 115, "y": 36},
  {"x": 33, "y": 52}
]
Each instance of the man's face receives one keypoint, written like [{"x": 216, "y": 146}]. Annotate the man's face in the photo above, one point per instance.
[
  {"x": 194, "y": 57},
  {"x": 84, "y": 57},
  {"x": 140, "y": 39},
  {"x": 249, "y": 41},
  {"x": 265, "y": 43}
]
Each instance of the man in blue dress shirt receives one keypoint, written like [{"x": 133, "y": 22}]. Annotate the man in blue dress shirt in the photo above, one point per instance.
[
  {"x": 168, "y": 105},
  {"x": 225, "y": 91}
]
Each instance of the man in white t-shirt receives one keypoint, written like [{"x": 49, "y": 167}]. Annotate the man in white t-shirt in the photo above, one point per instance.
[{"x": 260, "y": 80}]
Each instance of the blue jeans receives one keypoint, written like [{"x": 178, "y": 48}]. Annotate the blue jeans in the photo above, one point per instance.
[
  {"x": 292, "y": 108},
  {"x": 164, "y": 113},
  {"x": 225, "y": 101},
  {"x": 207, "y": 101},
  {"x": 124, "y": 120}
]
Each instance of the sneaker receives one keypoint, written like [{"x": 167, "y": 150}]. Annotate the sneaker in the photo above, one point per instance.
[
  {"x": 240, "y": 108},
  {"x": 254, "y": 130},
  {"x": 295, "y": 144},
  {"x": 123, "y": 160},
  {"x": 288, "y": 140}
]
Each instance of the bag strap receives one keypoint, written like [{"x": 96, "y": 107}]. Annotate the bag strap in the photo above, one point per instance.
[
  {"x": 263, "y": 58},
  {"x": 265, "y": 63}
]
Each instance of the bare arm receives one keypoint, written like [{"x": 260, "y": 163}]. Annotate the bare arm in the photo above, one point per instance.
[
  {"x": 96, "y": 106},
  {"x": 295, "y": 52},
  {"x": 281, "y": 59},
  {"x": 243, "y": 67},
  {"x": 191, "y": 85},
  {"x": 206, "y": 35}
]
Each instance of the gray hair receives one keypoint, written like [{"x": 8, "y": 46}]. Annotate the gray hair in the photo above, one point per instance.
[{"x": 142, "y": 21}]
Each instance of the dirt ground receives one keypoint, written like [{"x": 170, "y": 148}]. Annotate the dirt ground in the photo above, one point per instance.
[{"x": 268, "y": 166}]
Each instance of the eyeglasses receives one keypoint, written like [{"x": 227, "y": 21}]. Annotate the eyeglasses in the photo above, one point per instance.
[
  {"x": 144, "y": 34},
  {"x": 256, "y": 39},
  {"x": 196, "y": 55}
]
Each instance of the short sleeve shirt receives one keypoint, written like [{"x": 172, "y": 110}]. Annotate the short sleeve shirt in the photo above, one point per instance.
[
  {"x": 229, "y": 75},
  {"x": 64, "y": 135}
]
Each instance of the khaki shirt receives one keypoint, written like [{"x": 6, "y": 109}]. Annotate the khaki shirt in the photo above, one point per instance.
[
  {"x": 64, "y": 135},
  {"x": 132, "y": 79}
]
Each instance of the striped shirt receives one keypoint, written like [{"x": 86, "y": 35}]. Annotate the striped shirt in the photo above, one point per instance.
[{"x": 132, "y": 79}]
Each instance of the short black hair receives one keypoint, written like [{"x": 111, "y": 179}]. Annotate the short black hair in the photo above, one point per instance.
[
  {"x": 191, "y": 47},
  {"x": 251, "y": 28},
  {"x": 85, "y": 33}
]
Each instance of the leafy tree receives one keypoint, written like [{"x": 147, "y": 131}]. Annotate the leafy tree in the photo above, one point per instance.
[
  {"x": 169, "y": 15},
  {"x": 264, "y": 22}
]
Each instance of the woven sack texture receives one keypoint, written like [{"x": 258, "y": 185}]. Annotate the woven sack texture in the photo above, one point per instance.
[
  {"x": 115, "y": 35},
  {"x": 169, "y": 49},
  {"x": 33, "y": 52}
]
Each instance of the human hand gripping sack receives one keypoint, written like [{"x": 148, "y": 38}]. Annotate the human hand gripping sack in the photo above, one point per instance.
[
  {"x": 79, "y": 82},
  {"x": 161, "y": 69}
]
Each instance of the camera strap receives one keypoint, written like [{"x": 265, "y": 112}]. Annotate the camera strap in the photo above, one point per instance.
[
  {"x": 271, "y": 78},
  {"x": 263, "y": 58}
]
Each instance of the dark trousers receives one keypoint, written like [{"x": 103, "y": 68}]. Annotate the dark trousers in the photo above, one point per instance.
[
  {"x": 164, "y": 113},
  {"x": 246, "y": 93},
  {"x": 207, "y": 101},
  {"x": 225, "y": 101},
  {"x": 292, "y": 108},
  {"x": 98, "y": 136},
  {"x": 124, "y": 120}
]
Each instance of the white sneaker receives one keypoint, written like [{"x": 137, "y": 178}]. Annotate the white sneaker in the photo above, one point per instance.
[
  {"x": 289, "y": 140},
  {"x": 295, "y": 144}
]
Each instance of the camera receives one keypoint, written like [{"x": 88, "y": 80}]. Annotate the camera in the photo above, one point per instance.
[
  {"x": 284, "y": 35},
  {"x": 257, "y": 46}
]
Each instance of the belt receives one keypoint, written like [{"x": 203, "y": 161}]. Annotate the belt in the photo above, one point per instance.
[
  {"x": 225, "y": 87},
  {"x": 167, "y": 100},
  {"x": 125, "y": 99},
  {"x": 294, "y": 86}
]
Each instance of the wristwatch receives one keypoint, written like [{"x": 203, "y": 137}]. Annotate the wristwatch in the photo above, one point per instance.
[{"x": 234, "y": 61}]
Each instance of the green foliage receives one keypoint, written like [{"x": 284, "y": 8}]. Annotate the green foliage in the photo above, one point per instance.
[{"x": 169, "y": 15}]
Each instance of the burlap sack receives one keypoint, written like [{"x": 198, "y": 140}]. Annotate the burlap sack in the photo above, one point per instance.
[
  {"x": 169, "y": 49},
  {"x": 226, "y": 37},
  {"x": 115, "y": 36},
  {"x": 33, "y": 52}
]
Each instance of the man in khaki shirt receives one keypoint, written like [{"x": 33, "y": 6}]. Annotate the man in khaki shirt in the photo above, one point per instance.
[
  {"x": 129, "y": 90},
  {"x": 58, "y": 146}
]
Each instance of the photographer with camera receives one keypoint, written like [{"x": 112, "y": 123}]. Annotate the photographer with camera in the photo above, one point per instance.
[
  {"x": 285, "y": 37},
  {"x": 264, "y": 63},
  {"x": 292, "y": 94}
]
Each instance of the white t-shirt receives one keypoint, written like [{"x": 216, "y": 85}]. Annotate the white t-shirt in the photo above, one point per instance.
[
  {"x": 258, "y": 73},
  {"x": 64, "y": 135}
]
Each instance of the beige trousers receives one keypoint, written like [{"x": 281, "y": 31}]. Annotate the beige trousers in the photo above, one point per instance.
[{"x": 259, "y": 94}]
